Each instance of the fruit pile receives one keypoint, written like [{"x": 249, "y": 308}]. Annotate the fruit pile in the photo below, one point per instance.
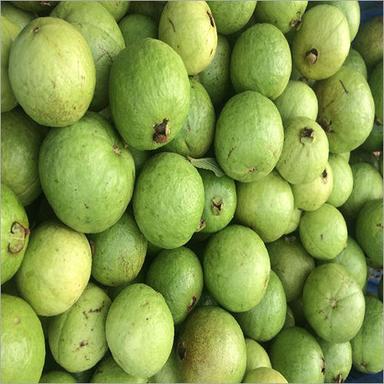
[{"x": 191, "y": 191}]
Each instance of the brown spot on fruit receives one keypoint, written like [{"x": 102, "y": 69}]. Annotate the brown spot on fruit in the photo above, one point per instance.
[
  {"x": 116, "y": 149},
  {"x": 312, "y": 56},
  {"x": 202, "y": 225},
  {"x": 83, "y": 343},
  {"x": 17, "y": 240},
  {"x": 161, "y": 132},
  {"x": 36, "y": 29},
  {"x": 211, "y": 20},
  {"x": 192, "y": 303},
  {"x": 216, "y": 205},
  {"x": 322, "y": 365},
  {"x": 181, "y": 351},
  {"x": 307, "y": 135}
]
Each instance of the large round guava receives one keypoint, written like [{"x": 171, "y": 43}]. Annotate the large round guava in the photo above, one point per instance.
[
  {"x": 136, "y": 27},
  {"x": 57, "y": 377},
  {"x": 16, "y": 15},
  {"x": 256, "y": 355},
  {"x": 117, "y": 8},
  {"x": 376, "y": 84},
  {"x": 355, "y": 61}
]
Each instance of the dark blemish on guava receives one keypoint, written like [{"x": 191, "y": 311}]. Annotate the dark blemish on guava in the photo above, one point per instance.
[
  {"x": 216, "y": 205},
  {"x": 210, "y": 53},
  {"x": 173, "y": 25},
  {"x": 202, "y": 225},
  {"x": 307, "y": 135},
  {"x": 147, "y": 318},
  {"x": 338, "y": 378},
  {"x": 16, "y": 320},
  {"x": 193, "y": 302},
  {"x": 86, "y": 206},
  {"x": 85, "y": 315},
  {"x": 18, "y": 241},
  {"x": 83, "y": 343},
  {"x": 321, "y": 236},
  {"x": 380, "y": 225},
  {"x": 322, "y": 365},
  {"x": 181, "y": 351},
  {"x": 333, "y": 303},
  {"x": 311, "y": 56},
  {"x": 161, "y": 132},
  {"x": 36, "y": 29},
  {"x": 230, "y": 152},
  {"x": 116, "y": 149},
  {"x": 211, "y": 19},
  {"x": 344, "y": 88},
  {"x": 93, "y": 246},
  {"x": 97, "y": 309},
  {"x": 296, "y": 22},
  {"x": 326, "y": 125},
  {"x": 251, "y": 169}
]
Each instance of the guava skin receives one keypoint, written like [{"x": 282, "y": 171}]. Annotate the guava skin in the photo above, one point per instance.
[
  {"x": 294, "y": 221},
  {"x": 57, "y": 377},
  {"x": 249, "y": 137},
  {"x": 135, "y": 27},
  {"x": 346, "y": 109},
  {"x": 139, "y": 330},
  {"x": 22, "y": 342},
  {"x": 51, "y": 92},
  {"x": 305, "y": 151},
  {"x": 116, "y": 8},
  {"x": 256, "y": 355},
  {"x": 149, "y": 107},
  {"x": 55, "y": 270},
  {"x": 170, "y": 373},
  {"x": 375, "y": 83},
  {"x": 16, "y": 15},
  {"x": 261, "y": 61},
  {"x": 190, "y": 29},
  {"x": 264, "y": 375},
  {"x": 355, "y": 61},
  {"x": 296, "y": 354},
  {"x": 86, "y": 174},
  {"x": 266, "y": 206},
  {"x": 236, "y": 268},
  {"x": 368, "y": 345},
  {"x": 211, "y": 347},
  {"x": 103, "y": 36}
]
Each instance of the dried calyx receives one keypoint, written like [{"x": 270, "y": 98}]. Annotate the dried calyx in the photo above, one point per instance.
[
  {"x": 161, "y": 132},
  {"x": 17, "y": 238},
  {"x": 311, "y": 56},
  {"x": 307, "y": 135},
  {"x": 216, "y": 205}
]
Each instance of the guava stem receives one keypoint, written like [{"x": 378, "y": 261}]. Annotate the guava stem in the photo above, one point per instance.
[
  {"x": 216, "y": 205},
  {"x": 17, "y": 241},
  {"x": 307, "y": 135},
  {"x": 311, "y": 56},
  {"x": 161, "y": 132}
]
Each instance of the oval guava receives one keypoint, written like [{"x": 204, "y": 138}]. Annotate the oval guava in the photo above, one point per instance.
[
  {"x": 376, "y": 85},
  {"x": 374, "y": 142},
  {"x": 57, "y": 377},
  {"x": 170, "y": 373},
  {"x": 294, "y": 221},
  {"x": 137, "y": 27},
  {"x": 264, "y": 375},
  {"x": 355, "y": 61},
  {"x": 16, "y": 15},
  {"x": 256, "y": 355},
  {"x": 116, "y": 8}
]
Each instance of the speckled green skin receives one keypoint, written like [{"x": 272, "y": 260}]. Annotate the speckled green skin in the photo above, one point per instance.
[
  {"x": 86, "y": 174},
  {"x": 236, "y": 268},
  {"x": 196, "y": 135},
  {"x": 261, "y": 61},
  {"x": 375, "y": 83},
  {"x": 346, "y": 109},
  {"x": 116, "y": 8},
  {"x": 369, "y": 231},
  {"x": 355, "y": 61},
  {"x": 168, "y": 200},
  {"x": 294, "y": 221},
  {"x": 264, "y": 375},
  {"x": 22, "y": 342},
  {"x": 265, "y": 205},
  {"x": 139, "y": 330},
  {"x": 256, "y": 355},
  {"x": 177, "y": 274},
  {"x": 211, "y": 347},
  {"x": 103, "y": 36},
  {"x": 136, "y": 27},
  {"x": 374, "y": 141},
  {"x": 368, "y": 345},
  {"x": 141, "y": 96},
  {"x": 266, "y": 319},
  {"x": 36, "y": 7},
  {"x": 52, "y": 72},
  {"x": 16, "y": 15},
  {"x": 57, "y": 377},
  {"x": 189, "y": 28},
  {"x": 249, "y": 137},
  {"x": 170, "y": 373},
  {"x": 118, "y": 253},
  {"x": 323, "y": 232},
  {"x": 14, "y": 233},
  {"x": 55, "y": 270},
  {"x": 296, "y": 354},
  {"x": 291, "y": 263},
  {"x": 303, "y": 158},
  {"x": 21, "y": 138}
]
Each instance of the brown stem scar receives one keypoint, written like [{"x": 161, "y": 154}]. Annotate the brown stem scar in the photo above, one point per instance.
[
  {"x": 311, "y": 56},
  {"x": 161, "y": 132},
  {"x": 216, "y": 205},
  {"x": 307, "y": 135},
  {"x": 116, "y": 149}
]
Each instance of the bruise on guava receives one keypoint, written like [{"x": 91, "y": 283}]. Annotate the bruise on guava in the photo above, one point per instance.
[{"x": 161, "y": 132}]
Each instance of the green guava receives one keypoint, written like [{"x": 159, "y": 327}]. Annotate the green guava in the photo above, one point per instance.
[
  {"x": 149, "y": 106},
  {"x": 57, "y": 377},
  {"x": 264, "y": 321},
  {"x": 170, "y": 373},
  {"x": 231, "y": 16},
  {"x": 55, "y": 270},
  {"x": 169, "y": 200},
  {"x": 323, "y": 232},
  {"x": 369, "y": 231},
  {"x": 22, "y": 342},
  {"x": 368, "y": 345},
  {"x": 296, "y": 354},
  {"x": 261, "y": 61},
  {"x": 264, "y": 375},
  {"x": 265, "y": 205},
  {"x": 14, "y": 233},
  {"x": 297, "y": 100},
  {"x": 294, "y": 221},
  {"x": 196, "y": 135},
  {"x": 36, "y": 7},
  {"x": 291, "y": 263},
  {"x": 211, "y": 347},
  {"x": 236, "y": 268},
  {"x": 189, "y": 28},
  {"x": 90, "y": 194},
  {"x": 177, "y": 274},
  {"x": 256, "y": 355},
  {"x": 42, "y": 75},
  {"x": 305, "y": 151},
  {"x": 152, "y": 9},
  {"x": 139, "y": 330},
  {"x": 346, "y": 109},
  {"x": 116, "y": 8},
  {"x": 376, "y": 84},
  {"x": 136, "y": 27},
  {"x": 103, "y": 36},
  {"x": 249, "y": 137},
  {"x": 355, "y": 61},
  {"x": 374, "y": 141},
  {"x": 289, "y": 319},
  {"x": 16, "y": 15}
]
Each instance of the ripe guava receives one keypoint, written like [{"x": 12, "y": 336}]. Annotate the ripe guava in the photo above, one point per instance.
[
  {"x": 264, "y": 375},
  {"x": 294, "y": 221},
  {"x": 256, "y": 355},
  {"x": 57, "y": 377},
  {"x": 374, "y": 142},
  {"x": 355, "y": 61},
  {"x": 16, "y": 15},
  {"x": 170, "y": 373},
  {"x": 376, "y": 84},
  {"x": 137, "y": 27},
  {"x": 116, "y": 8}
]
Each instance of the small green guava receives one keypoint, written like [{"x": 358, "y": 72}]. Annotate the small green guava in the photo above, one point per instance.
[
  {"x": 137, "y": 27},
  {"x": 374, "y": 142},
  {"x": 355, "y": 61},
  {"x": 376, "y": 82},
  {"x": 116, "y": 8},
  {"x": 289, "y": 319},
  {"x": 256, "y": 355},
  {"x": 57, "y": 377},
  {"x": 170, "y": 373},
  {"x": 294, "y": 221},
  {"x": 16, "y": 15},
  {"x": 264, "y": 375}
]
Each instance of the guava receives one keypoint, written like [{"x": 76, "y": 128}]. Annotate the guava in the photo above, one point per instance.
[
  {"x": 103, "y": 36},
  {"x": 289, "y": 318},
  {"x": 55, "y": 270},
  {"x": 297, "y": 355},
  {"x": 231, "y": 16},
  {"x": 256, "y": 355},
  {"x": 294, "y": 221},
  {"x": 42, "y": 75},
  {"x": 137, "y": 27},
  {"x": 249, "y": 137},
  {"x": 236, "y": 268},
  {"x": 170, "y": 373},
  {"x": 323, "y": 232},
  {"x": 261, "y": 61},
  {"x": 169, "y": 200},
  {"x": 345, "y": 155},
  {"x": 196, "y": 135},
  {"x": 264, "y": 375},
  {"x": 88, "y": 195},
  {"x": 116, "y": 8},
  {"x": 152, "y": 9},
  {"x": 16, "y": 15},
  {"x": 338, "y": 360},
  {"x": 211, "y": 347},
  {"x": 177, "y": 274},
  {"x": 22, "y": 342},
  {"x": 190, "y": 29},
  {"x": 369, "y": 231},
  {"x": 291, "y": 263},
  {"x": 37, "y": 7},
  {"x": 346, "y": 109},
  {"x": 297, "y": 100},
  {"x": 265, "y": 205},
  {"x": 368, "y": 345},
  {"x": 376, "y": 85},
  {"x": 311, "y": 196},
  {"x": 149, "y": 106},
  {"x": 57, "y": 377},
  {"x": 355, "y": 61},
  {"x": 14, "y": 233},
  {"x": 305, "y": 151},
  {"x": 374, "y": 141},
  {"x": 139, "y": 330}
]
